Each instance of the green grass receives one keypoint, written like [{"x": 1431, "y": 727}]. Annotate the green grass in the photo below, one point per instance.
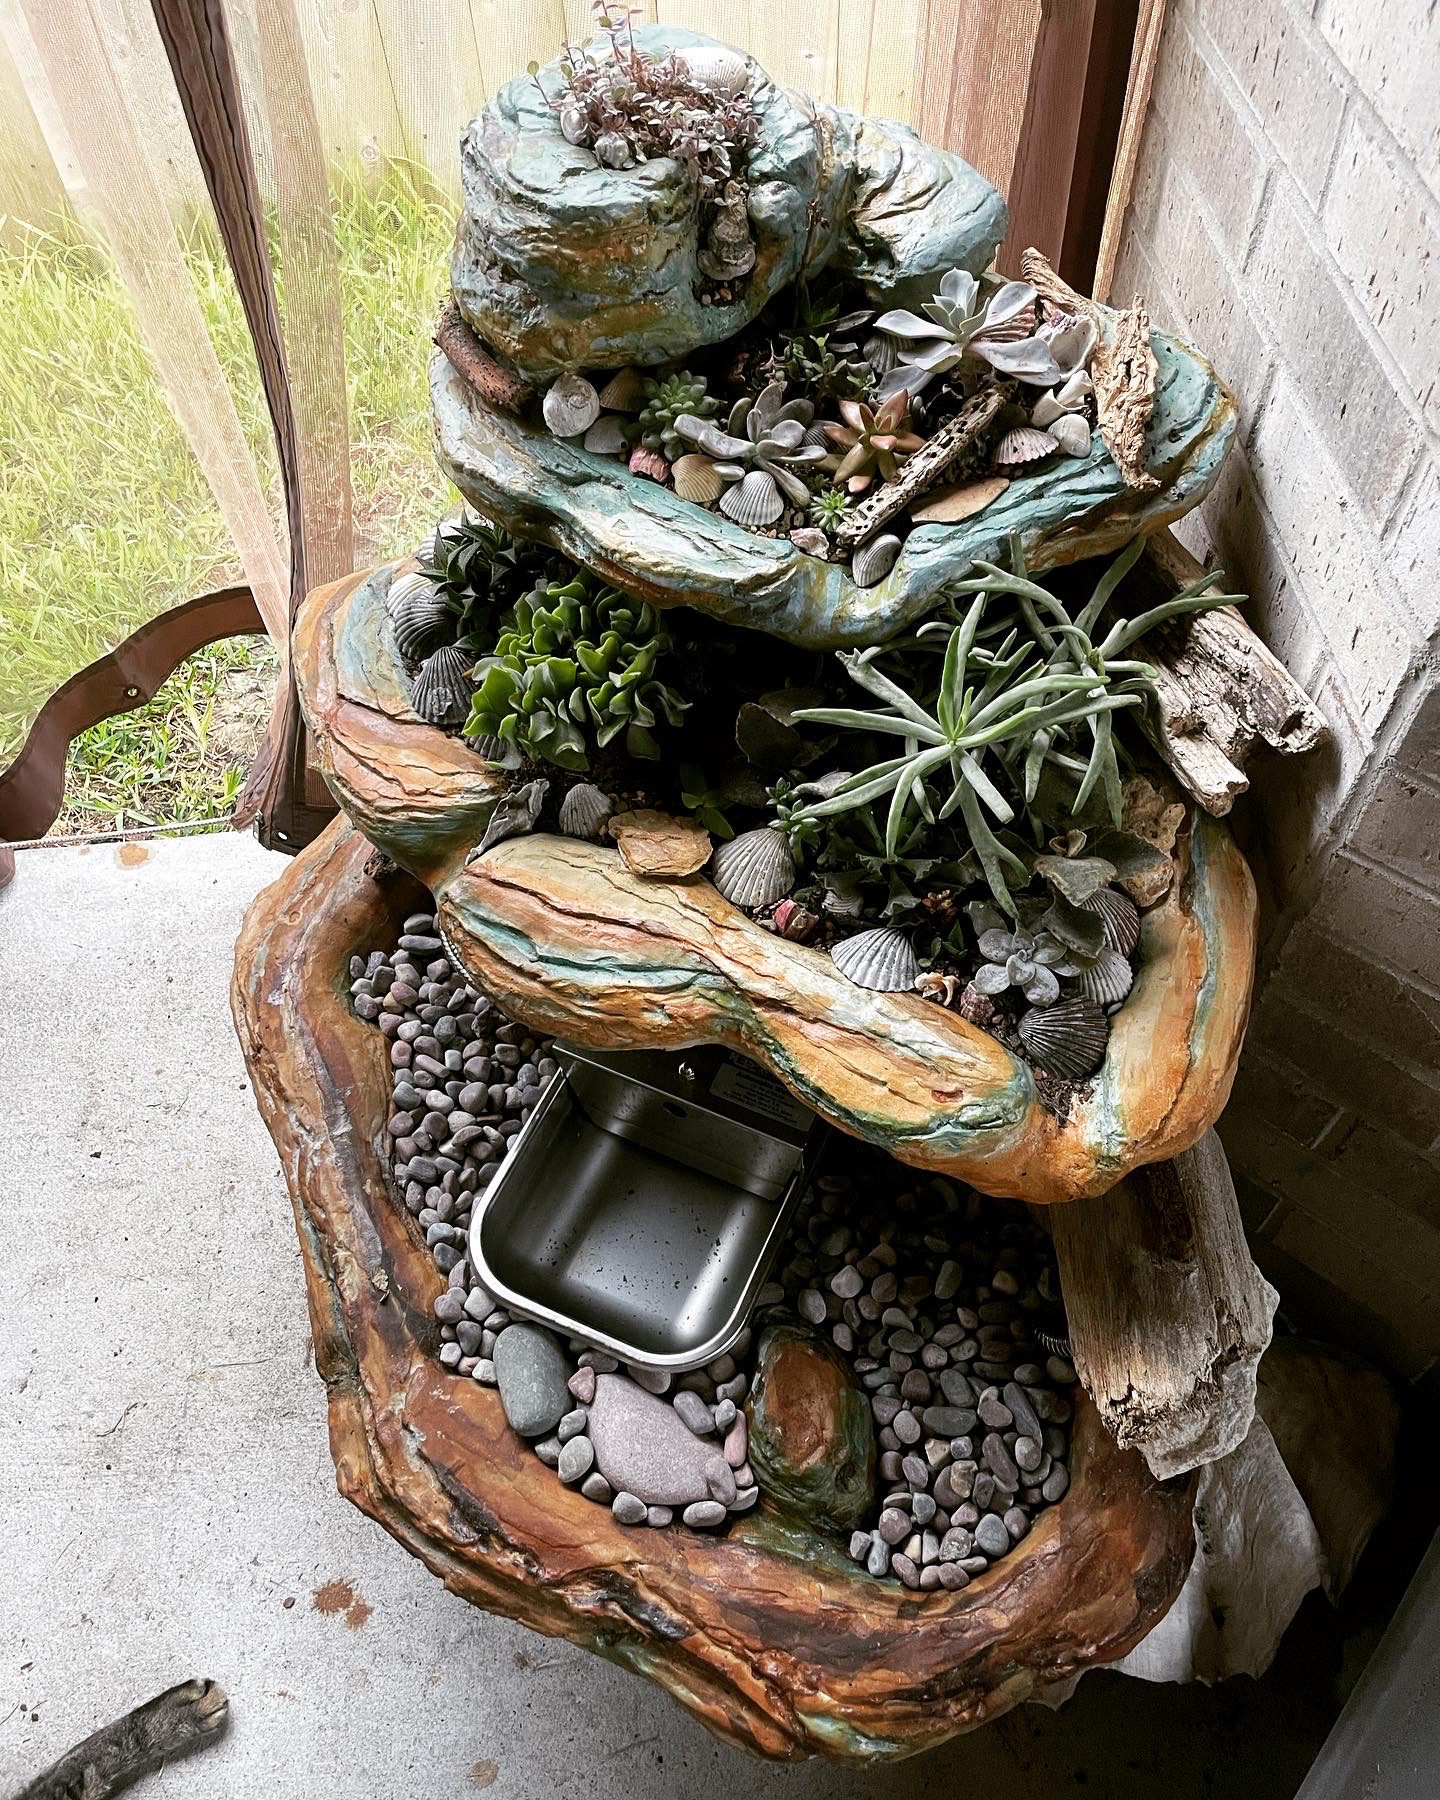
[{"x": 105, "y": 518}]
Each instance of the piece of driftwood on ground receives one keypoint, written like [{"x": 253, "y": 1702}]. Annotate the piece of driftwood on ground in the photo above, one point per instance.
[
  {"x": 494, "y": 383},
  {"x": 1222, "y": 694},
  {"x": 1168, "y": 1314},
  {"x": 174, "y": 1724},
  {"x": 926, "y": 466}
]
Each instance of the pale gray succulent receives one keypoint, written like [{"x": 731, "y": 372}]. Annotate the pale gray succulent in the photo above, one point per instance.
[
  {"x": 773, "y": 446},
  {"x": 967, "y": 322},
  {"x": 1029, "y": 962}
]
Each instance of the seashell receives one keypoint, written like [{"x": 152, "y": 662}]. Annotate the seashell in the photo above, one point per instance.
[
  {"x": 403, "y": 586},
  {"x": 812, "y": 541},
  {"x": 695, "y": 479},
  {"x": 624, "y": 391},
  {"x": 1024, "y": 444},
  {"x": 1069, "y": 397},
  {"x": 606, "y": 437},
  {"x": 754, "y": 500},
  {"x": 881, "y": 351},
  {"x": 1067, "y": 1040},
  {"x": 495, "y": 749},
  {"x": 815, "y": 438},
  {"x": 422, "y": 621},
  {"x": 441, "y": 692},
  {"x": 649, "y": 463},
  {"x": 1012, "y": 330},
  {"x": 1107, "y": 980},
  {"x": 717, "y": 67},
  {"x": 571, "y": 406},
  {"x": 612, "y": 151},
  {"x": 1121, "y": 917},
  {"x": 573, "y": 124},
  {"x": 426, "y": 549},
  {"x": 947, "y": 506},
  {"x": 872, "y": 562},
  {"x": 1071, "y": 431},
  {"x": 880, "y": 959},
  {"x": 755, "y": 869},
  {"x": 585, "y": 810},
  {"x": 514, "y": 815}
]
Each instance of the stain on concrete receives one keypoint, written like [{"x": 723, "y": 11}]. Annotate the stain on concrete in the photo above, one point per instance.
[
  {"x": 484, "y": 1774},
  {"x": 338, "y": 1599},
  {"x": 130, "y": 856}
]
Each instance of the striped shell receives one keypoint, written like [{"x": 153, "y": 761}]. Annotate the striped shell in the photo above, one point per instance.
[
  {"x": 755, "y": 869},
  {"x": 695, "y": 479},
  {"x": 1024, "y": 444},
  {"x": 584, "y": 811},
  {"x": 1120, "y": 915},
  {"x": 441, "y": 692},
  {"x": 880, "y": 959},
  {"x": 1067, "y": 1040},
  {"x": 754, "y": 500},
  {"x": 717, "y": 67},
  {"x": 422, "y": 621},
  {"x": 1107, "y": 980},
  {"x": 428, "y": 545},
  {"x": 494, "y": 749},
  {"x": 872, "y": 562},
  {"x": 571, "y": 406},
  {"x": 624, "y": 391},
  {"x": 403, "y": 586}
]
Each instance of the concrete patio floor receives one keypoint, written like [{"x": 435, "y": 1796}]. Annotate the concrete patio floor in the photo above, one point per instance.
[{"x": 166, "y": 1490}]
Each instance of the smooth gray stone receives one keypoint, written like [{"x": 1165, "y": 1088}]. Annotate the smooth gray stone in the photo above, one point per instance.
[
  {"x": 704, "y": 1515},
  {"x": 643, "y": 1447},
  {"x": 991, "y": 1535},
  {"x": 577, "y": 1458},
  {"x": 628, "y": 1508},
  {"x": 531, "y": 1373}
]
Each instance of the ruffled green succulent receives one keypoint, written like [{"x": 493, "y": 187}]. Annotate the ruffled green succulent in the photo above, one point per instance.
[
  {"x": 575, "y": 667},
  {"x": 665, "y": 400}
]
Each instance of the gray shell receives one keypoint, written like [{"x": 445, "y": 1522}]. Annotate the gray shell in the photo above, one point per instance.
[
  {"x": 754, "y": 500},
  {"x": 421, "y": 621},
  {"x": 755, "y": 869},
  {"x": 1067, "y": 1040},
  {"x": 1107, "y": 980},
  {"x": 1120, "y": 915},
  {"x": 874, "y": 561},
  {"x": 880, "y": 959},
  {"x": 441, "y": 692},
  {"x": 584, "y": 810}
]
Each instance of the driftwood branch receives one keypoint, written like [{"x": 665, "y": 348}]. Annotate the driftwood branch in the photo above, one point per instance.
[
  {"x": 926, "y": 466},
  {"x": 174, "y": 1724},
  {"x": 494, "y": 383},
  {"x": 1122, "y": 369},
  {"x": 1168, "y": 1314},
  {"x": 1222, "y": 694}
]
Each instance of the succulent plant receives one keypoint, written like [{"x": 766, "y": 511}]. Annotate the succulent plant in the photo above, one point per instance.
[
  {"x": 819, "y": 352},
  {"x": 1030, "y": 962},
  {"x": 480, "y": 568},
  {"x": 968, "y": 322},
  {"x": 829, "y": 507},
  {"x": 665, "y": 400},
  {"x": 574, "y": 662},
  {"x": 773, "y": 448},
  {"x": 872, "y": 443}
]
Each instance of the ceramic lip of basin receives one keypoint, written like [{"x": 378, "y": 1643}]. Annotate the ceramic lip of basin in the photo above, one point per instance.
[{"x": 644, "y": 1200}]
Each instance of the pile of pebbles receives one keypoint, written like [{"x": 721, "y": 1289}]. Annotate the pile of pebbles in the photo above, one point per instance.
[
  {"x": 946, "y": 1308},
  {"x": 939, "y": 1302}
]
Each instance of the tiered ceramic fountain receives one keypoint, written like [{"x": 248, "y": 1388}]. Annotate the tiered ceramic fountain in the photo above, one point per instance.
[{"x": 566, "y": 262}]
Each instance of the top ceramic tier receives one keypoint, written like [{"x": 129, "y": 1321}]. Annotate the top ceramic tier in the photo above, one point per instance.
[{"x": 561, "y": 263}]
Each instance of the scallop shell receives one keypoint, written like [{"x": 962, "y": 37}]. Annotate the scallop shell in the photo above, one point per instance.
[
  {"x": 1012, "y": 330},
  {"x": 880, "y": 959},
  {"x": 815, "y": 438},
  {"x": 571, "y": 405},
  {"x": 1024, "y": 444},
  {"x": 624, "y": 391},
  {"x": 584, "y": 811},
  {"x": 1107, "y": 980},
  {"x": 606, "y": 437},
  {"x": 754, "y": 500},
  {"x": 425, "y": 550},
  {"x": 755, "y": 869},
  {"x": 872, "y": 562},
  {"x": 403, "y": 586},
  {"x": 1072, "y": 433},
  {"x": 441, "y": 692},
  {"x": 1120, "y": 915},
  {"x": 422, "y": 622},
  {"x": 1067, "y": 1040},
  {"x": 718, "y": 68},
  {"x": 494, "y": 749},
  {"x": 649, "y": 463},
  {"x": 695, "y": 479}
]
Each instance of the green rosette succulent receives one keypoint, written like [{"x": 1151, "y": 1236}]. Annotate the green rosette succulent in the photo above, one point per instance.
[
  {"x": 575, "y": 666},
  {"x": 666, "y": 399}
]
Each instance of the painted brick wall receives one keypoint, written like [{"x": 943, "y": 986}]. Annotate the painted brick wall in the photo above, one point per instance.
[{"x": 1286, "y": 216}]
